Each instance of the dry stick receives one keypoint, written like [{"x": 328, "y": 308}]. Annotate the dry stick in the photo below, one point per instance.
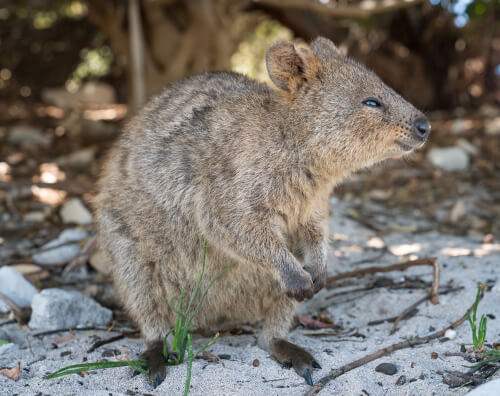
[
  {"x": 22, "y": 315},
  {"x": 386, "y": 351},
  {"x": 406, "y": 313},
  {"x": 398, "y": 267},
  {"x": 100, "y": 343},
  {"x": 83, "y": 257}
]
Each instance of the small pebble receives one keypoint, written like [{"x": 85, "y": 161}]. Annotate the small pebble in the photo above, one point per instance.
[
  {"x": 15, "y": 287},
  {"x": 453, "y": 381},
  {"x": 62, "y": 251},
  {"x": 434, "y": 355},
  {"x": 75, "y": 212},
  {"x": 256, "y": 363},
  {"x": 401, "y": 380},
  {"x": 451, "y": 334},
  {"x": 387, "y": 368}
]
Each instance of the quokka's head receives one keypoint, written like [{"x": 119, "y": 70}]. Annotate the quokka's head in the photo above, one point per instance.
[{"x": 346, "y": 109}]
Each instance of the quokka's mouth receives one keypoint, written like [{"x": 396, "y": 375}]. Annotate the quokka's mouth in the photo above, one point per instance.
[{"x": 408, "y": 147}]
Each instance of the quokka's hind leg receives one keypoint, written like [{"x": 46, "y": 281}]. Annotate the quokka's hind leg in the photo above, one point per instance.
[
  {"x": 143, "y": 294},
  {"x": 274, "y": 336}
]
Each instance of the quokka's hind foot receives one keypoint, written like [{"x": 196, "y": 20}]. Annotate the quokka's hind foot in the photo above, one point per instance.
[
  {"x": 156, "y": 363},
  {"x": 291, "y": 355}
]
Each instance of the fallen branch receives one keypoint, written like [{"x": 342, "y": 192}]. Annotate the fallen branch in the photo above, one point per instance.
[
  {"x": 83, "y": 257},
  {"x": 386, "y": 351},
  {"x": 100, "y": 343},
  {"x": 406, "y": 313},
  {"x": 21, "y": 315},
  {"x": 69, "y": 329},
  {"x": 398, "y": 267}
]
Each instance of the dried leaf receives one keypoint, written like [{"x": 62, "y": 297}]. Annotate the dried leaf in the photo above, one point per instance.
[
  {"x": 311, "y": 323},
  {"x": 12, "y": 373}
]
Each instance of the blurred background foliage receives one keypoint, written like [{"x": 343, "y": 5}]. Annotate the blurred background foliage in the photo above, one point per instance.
[{"x": 437, "y": 53}]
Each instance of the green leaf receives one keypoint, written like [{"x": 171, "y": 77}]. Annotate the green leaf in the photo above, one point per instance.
[{"x": 3, "y": 342}]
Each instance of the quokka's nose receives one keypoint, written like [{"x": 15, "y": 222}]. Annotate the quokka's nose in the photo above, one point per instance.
[{"x": 422, "y": 127}]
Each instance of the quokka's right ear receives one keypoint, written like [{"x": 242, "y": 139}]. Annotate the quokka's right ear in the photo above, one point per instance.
[{"x": 290, "y": 67}]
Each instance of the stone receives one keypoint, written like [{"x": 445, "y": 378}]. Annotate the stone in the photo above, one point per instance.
[
  {"x": 401, "y": 380},
  {"x": 16, "y": 287},
  {"x": 101, "y": 262},
  {"x": 468, "y": 146},
  {"x": 386, "y": 368},
  {"x": 449, "y": 158},
  {"x": 459, "y": 126},
  {"x": 490, "y": 388},
  {"x": 90, "y": 93},
  {"x": 79, "y": 159},
  {"x": 93, "y": 92},
  {"x": 34, "y": 217},
  {"x": 25, "y": 134},
  {"x": 450, "y": 334},
  {"x": 489, "y": 111},
  {"x": 63, "y": 250},
  {"x": 458, "y": 211},
  {"x": 74, "y": 212},
  {"x": 8, "y": 348},
  {"x": 56, "y": 309},
  {"x": 492, "y": 127}
]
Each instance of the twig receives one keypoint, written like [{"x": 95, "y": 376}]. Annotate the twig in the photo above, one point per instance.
[
  {"x": 100, "y": 343},
  {"x": 392, "y": 319},
  {"x": 467, "y": 376},
  {"x": 83, "y": 257},
  {"x": 398, "y": 267},
  {"x": 411, "y": 308},
  {"x": 22, "y": 315},
  {"x": 69, "y": 329},
  {"x": 386, "y": 351},
  {"x": 379, "y": 255}
]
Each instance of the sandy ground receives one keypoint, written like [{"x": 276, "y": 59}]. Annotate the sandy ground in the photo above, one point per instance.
[{"x": 238, "y": 376}]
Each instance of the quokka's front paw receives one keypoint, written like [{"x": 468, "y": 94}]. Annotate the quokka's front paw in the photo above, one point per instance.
[
  {"x": 318, "y": 276},
  {"x": 298, "y": 285}
]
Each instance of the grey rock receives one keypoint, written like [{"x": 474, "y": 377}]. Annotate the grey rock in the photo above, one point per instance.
[
  {"x": 90, "y": 93},
  {"x": 454, "y": 381},
  {"x": 34, "y": 217},
  {"x": 449, "y": 158},
  {"x": 60, "y": 254},
  {"x": 401, "y": 380},
  {"x": 468, "y": 147},
  {"x": 24, "y": 134},
  {"x": 75, "y": 212},
  {"x": 16, "y": 287},
  {"x": 79, "y": 159},
  {"x": 488, "y": 389},
  {"x": 386, "y": 368},
  {"x": 8, "y": 348},
  {"x": 55, "y": 308},
  {"x": 492, "y": 127}
]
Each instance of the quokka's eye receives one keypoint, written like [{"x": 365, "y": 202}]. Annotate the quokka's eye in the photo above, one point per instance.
[{"x": 372, "y": 102}]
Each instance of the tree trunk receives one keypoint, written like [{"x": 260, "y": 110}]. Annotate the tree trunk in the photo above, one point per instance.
[{"x": 181, "y": 38}]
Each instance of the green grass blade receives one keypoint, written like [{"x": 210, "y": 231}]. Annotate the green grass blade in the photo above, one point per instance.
[
  {"x": 78, "y": 368},
  {"x": 165, "y": 345},
  {"x": 206, "y": 345},
  {"x": 197, "y": 287},
  {"x": 476, "y": 303},
  {"x": 206, "y": 291},
  {"x": 189, "y": 364}
]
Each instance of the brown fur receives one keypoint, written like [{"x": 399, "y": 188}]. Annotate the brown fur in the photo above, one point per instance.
[{"x": 220, "y": 157}]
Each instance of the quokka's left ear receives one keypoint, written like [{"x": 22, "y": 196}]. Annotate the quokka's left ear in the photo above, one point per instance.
[{"x": 290, "y": 67}]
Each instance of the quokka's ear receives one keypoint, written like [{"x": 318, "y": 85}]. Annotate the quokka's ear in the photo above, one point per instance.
[
  {"x": 324, "y": 48},
  {"x": 290, "y": 67}
]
